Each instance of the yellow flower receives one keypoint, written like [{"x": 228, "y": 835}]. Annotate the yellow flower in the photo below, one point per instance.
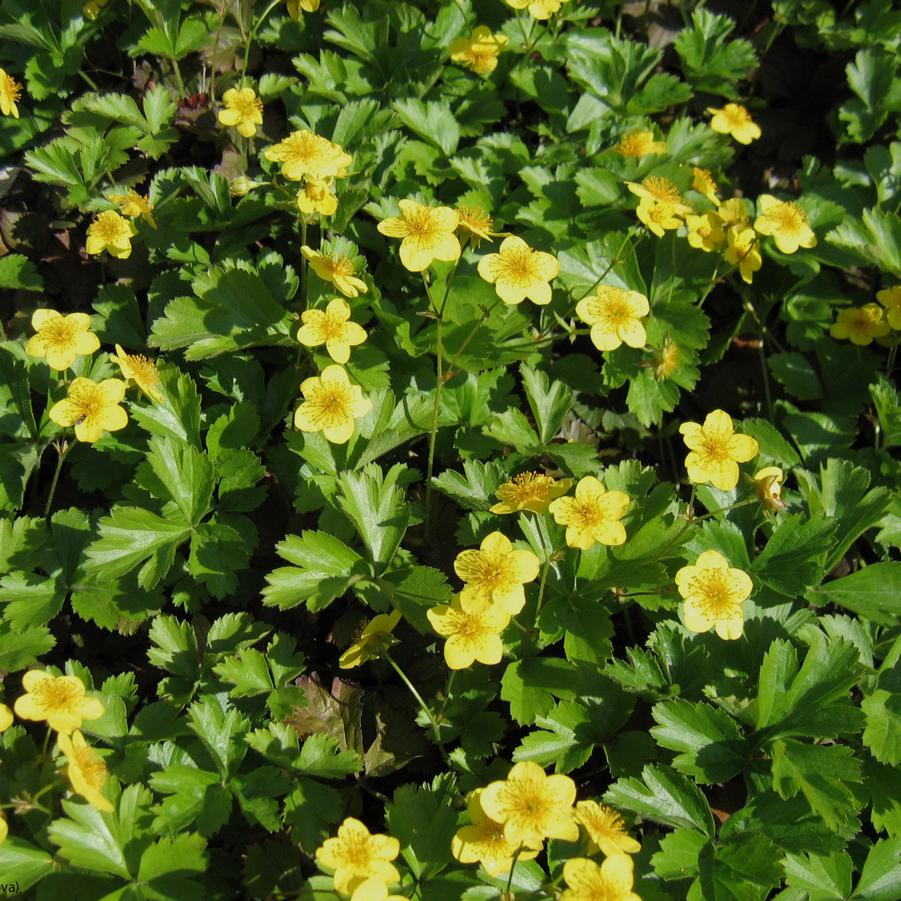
[
  {"x": 614, "y": 315},
  {"x": 860, "y": 324},
  {"x": 374, "y": 639},
  {"x": 471, "y": 634},
  {"x": 768, "y": 485},
  {"x": 531, "y": 491},
  {"x": 332, "y": 328},
  {"x": 307, "y": 155},
  {"x": 703, "y": 183},
  {"x": 243, "y": 110},
  {"x": 593, "y": 515},
  {"x": 295, "y": 7},
  {"x": 667, "y": 359},
  {"x": 316, "y": 197},
  {"x": 86, "y": 771},
  {"x": 337, "y": 268},
  {"x": 241, "y": 185},
  {"x": 374, "y": 889},
  {"x": 611, "y": 881},
  {"x": 743, "y": 250},
  {"x": 60, "y": 700},
  {"x": 110, "y": 232},
  {"x": 479, "y": 51},
  {"x": 714, "y": 595},
  {"x": 532, "y": 805},
  {"x": 716, "y": 451},
  {"x": 658, "y": 217},
  {"x": 356, "y": 855},
  {"x": 518, "y": 272},
  {"x": 141, "y": 370},
  {"x": 638, "y": 144},
  {"x": 10, "y": 92},
  {"x": 331, "y": 404},
  {"x": 6, "y": 717},
  {"x": 92, "y": 407},
  {"x": 890, "y": 298},
  {"x": 61, "y": 339},
  {"x": 495, "y": 574},
  {"x": 540, "y": 9},
  {"x": 705, "y": 231},
  {"x": 134, "y": 205},
  {"x": 733, "y": 119},
  {"x": 786, "y": 222},
  {"x": 427, "y": 233},
  {"x": 476, "y": 223},
  {"x": 606, "y": 829},
  {"x": 657, "y": 189},
  {"x": 484, "y": 842},
  {"x": 4, "y": 828},
  {"x": 732, "y": 213}
]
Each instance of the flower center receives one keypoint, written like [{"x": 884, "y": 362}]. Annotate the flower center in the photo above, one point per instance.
[
  {"x": 340, "y": 266},
  {"x": 518, "y": 267},
  {"x": 528, "y": 804},
  {"x": 11, "y": 89},
  {"x": 332, "y": 329},
  {"x": 525, "y": 487},
  {"x": 330, "y": 404},
  {"x": 662, "y": 189},
  {"x": 356, "y": 852},
  {"x": 92, "y": 767},
  {"x": 616, "y": 312},
  {"x": 246, "y": 105},
  {"x": 713, "y": 587},
  {"x": 735, "y": 115},
  {"x": 715, "y": 448},
  {"x": 88, "y": 402},
  {"x": 788, "y": 218},
  {"x": 109, "y": 226},
  {"x": 59, "y": 333},
  {"x": 420, "y": 225},
  {"x": 56, "y": 694},
  {"x": 588, "y": 514},
  {"x": 468, "y": 627}
]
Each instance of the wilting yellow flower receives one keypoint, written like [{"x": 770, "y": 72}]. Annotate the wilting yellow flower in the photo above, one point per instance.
[
  {"x": 484, "y": 842},
  {"x": 733, "y": 119},
  {"x": 110, "y": 232},
  {"x": 6, "y": 717},
  {"x": 316, "y": 197},
  {"x": 295, "y": 7},
  {"x": 475, "y": 222},
  {"x": 10, "y": 92},
  {"x": 540, "y": 9},
  {"x": 606, "y": 829},
  {"x": 786, "y": 222},
  {"x": 495, "y": 574},
  {"x": 307, "y": 155},
  {"x": 531, "y": 491},
  {"x": 479, "y": 51},
  {"x": 92, "y": 407},
  {"x": 374, "y": 889},
  {"x": 532, "y": 805},
  {"x": 518, "y": 272},
  {"x": 658, "y": 217},
  {"x": 639, "y": 144},
  {"x": 243, "y": 110},
  {"x": 61, "y": 339},
  {"x": 768, "y": 485},
  {"x": 860, "y": 324},
  {"x": 375, "y": 638},
  {"x": 86, "y": 770},
  {"x": 890, "y": 298},
  {"x": 331, "y": 404},
  {"x": 614, "y": 315},
  {"x": 714, "y": 594},
  {"x": 716, "y": 450},
  {"x": 333, "y": 328},
  {"x": 666, "y": 359},
  {"x": 705, "y": 231},
  {"x": 593, "y": 515},
  {"x": 733, "y": 213},
  {"x": 472, "y": 633},
  {"x": 357, "y": 855},
  {"x": 241, "y": 185},
  {"x": 427, "y": 233},
  {"x": 743, "y": 250},
  {"x": 703, "y": 183},
  {"x": 60, "y": 700},
  {"x": 134, "y": 205},
  {"x": 657, "y": 189},
  {"x": 141, "y": 370},
  {"x": 611, "y": 881},
  {"x": 337, "y": 268}
]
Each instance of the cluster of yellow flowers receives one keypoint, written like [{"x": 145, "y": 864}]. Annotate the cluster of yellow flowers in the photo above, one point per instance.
[
  {"x": 861, "y": 325},
  {"x": 112, "y": 231},
  {"x": 63, "y": 703},
  {"x": 91, "y": 407}
]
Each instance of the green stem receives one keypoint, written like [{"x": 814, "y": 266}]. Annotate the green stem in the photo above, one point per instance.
[
  {"x": 61, "y": 450},
  {"x": 613, "y": 261},
  {"x": 512, "y": 868},
  {"x": 545, "y": 568},
  {"x": 486, "y": 312},
  {"x": 253, "y": 34},
  {"x": 447, "y": 693},
  {"x": 303, "y": 261},
  {"x": 767, "y": 392}
]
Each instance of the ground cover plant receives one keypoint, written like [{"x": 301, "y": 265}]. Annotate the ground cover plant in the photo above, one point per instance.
[{"x": 448, "y": 450}]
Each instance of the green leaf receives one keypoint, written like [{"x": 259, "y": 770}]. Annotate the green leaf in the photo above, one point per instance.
[
  {"x": 23, "y": 863},
  {"x": 184, "y": 474},
  {"x": 821, "y": 876},
  {"x": 873, "y": 240},
  {"x": 735, "y": 871},
  {"x": 219, "y": 549},
  {"x": 887, "y": 401},
  {"x": 883, "y": 732},
  {"x": 549, "y": 401},
  {"x": 871, "y": 592},
  {"x": 431, "y": 120},
  {"x": 321, "y": 756},
  {"x": 18, "y": 273},
  {"x": 678, "y": 854},
  {"x": 424, "y": 822},
  {"x": 221, "y": 729},
  {"x": 795, "y": 555},
  {"x": 174, "y": 647},
  {"x": 881, "y": 876},
  {"x": 872, "y": 77},
  {"x": 474, "y": 488},
  {"x": 165, "y": 865},
  {"x": 795, "y": 373}
]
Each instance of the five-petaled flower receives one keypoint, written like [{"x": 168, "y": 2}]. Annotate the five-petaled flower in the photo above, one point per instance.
[
  {"x": 60, "y": 700},
  {"x": 307, "y": 155},
  {"x": 495, "y": 574},
  {"x": 610, "y": 881},
  {"x": 786, "y": 222},
  {"x": 659, "y": 189},
  {"x": 243, "y": 110},
  {"x": 531, "y": 491},
  {"x": 356, "y": 855},
  {"x": 479, "y": 51},
  {"x": 92, "y": 407},
  {"x": 615, "y": 316},
  {"x": 705, "y": 231},
  {"x": 60, "y": 339},
  {"x": 519, "y": 272},
  {"x": 472, "y": 634},
  {"x": 427, "y": 233},
  {"x": 316, "y": 197},
  {"x": 532, "y": 805},
  {"x": 141, "y": 370},
  {"x": 337, "y": 267},
  {"x": 659, "y": 216},
  {"x": 890, "y": 298},
  {"x": 860, "y": 325},
  {"x": 333, "y": 328},
  {"x": 715, "y": 450},
  {"x": 134, "y": 205},
  {"x": 743, "y": 250},
  {"x": 110, "y": 232},
  {"x": 606, "y": 829},
  {"x": 374, "y": 639},
  {"x": 331, "y": 404},
  {"x": 86, "y": 770},
  {"x": 733, "y": 119},
  {"x": 539, "y": 9},
  {"x": 638, "y": 144},
  {"x": 593, "y": 515},
  {"x": 10, "y": 92},
  {"x": 714, "y": 594}
]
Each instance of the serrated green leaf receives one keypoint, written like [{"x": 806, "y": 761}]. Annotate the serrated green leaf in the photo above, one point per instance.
[{"x": 871, "y": 592}]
